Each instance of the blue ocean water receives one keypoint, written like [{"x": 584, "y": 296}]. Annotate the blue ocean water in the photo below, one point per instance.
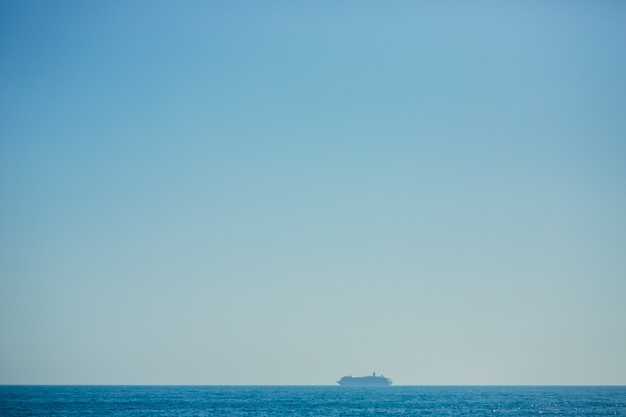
[{"x": 310, "y": 401}]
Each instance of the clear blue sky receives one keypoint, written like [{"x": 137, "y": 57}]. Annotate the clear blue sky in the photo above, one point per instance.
[{"x": 286, "y": 192}]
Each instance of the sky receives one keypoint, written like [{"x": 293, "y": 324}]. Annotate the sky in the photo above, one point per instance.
[{"x": 285, "y": 192}]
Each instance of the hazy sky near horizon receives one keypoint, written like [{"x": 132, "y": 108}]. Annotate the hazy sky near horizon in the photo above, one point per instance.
[{"x": 286, "y": 192}]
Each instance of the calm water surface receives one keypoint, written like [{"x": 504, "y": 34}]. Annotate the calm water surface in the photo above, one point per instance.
[{"x": 310, "y": 401}]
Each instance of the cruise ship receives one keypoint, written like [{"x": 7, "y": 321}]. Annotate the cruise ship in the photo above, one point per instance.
[{"x": 365, "y": 381}]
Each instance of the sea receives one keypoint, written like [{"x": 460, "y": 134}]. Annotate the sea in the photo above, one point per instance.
[{"x": 256, "y": 401}]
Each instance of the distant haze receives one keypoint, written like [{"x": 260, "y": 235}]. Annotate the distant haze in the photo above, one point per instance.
[{"x": 288, "y": 192}]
